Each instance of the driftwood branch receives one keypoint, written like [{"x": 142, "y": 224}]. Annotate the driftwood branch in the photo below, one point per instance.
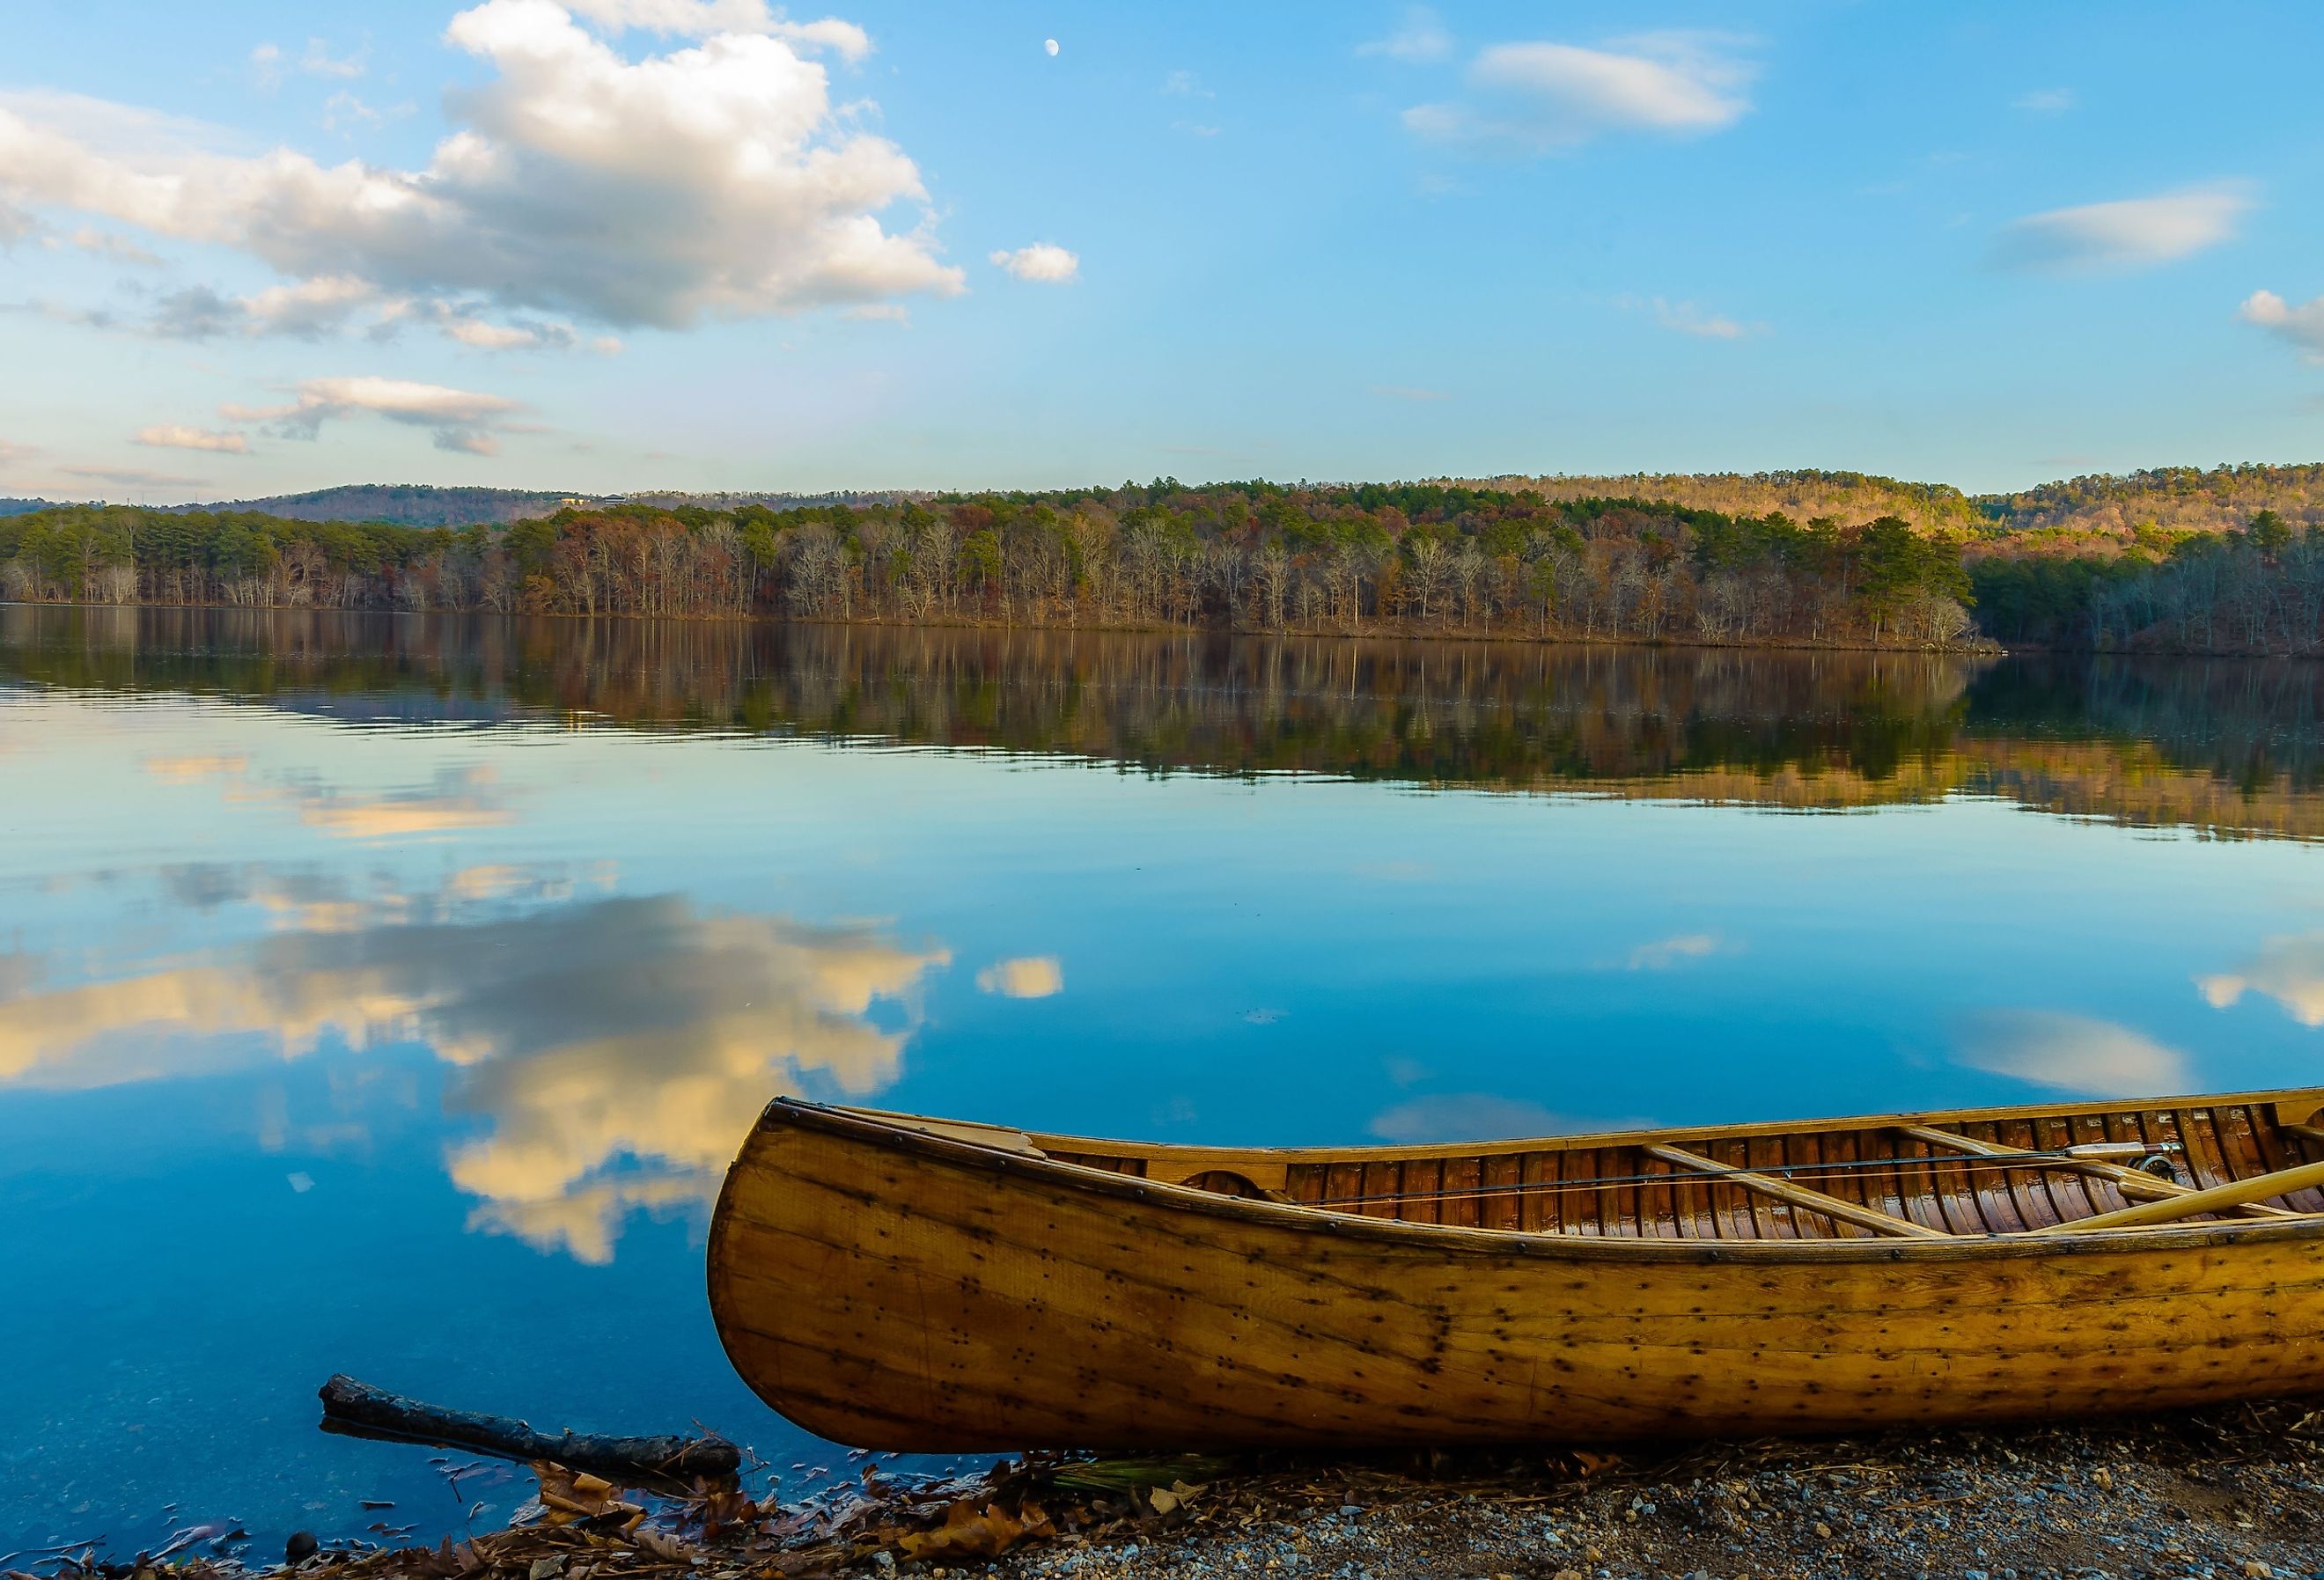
[{"x": 357, "y": 1409}]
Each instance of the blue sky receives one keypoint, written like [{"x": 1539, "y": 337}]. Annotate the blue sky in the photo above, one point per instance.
[{"x": 253, "y": 246}]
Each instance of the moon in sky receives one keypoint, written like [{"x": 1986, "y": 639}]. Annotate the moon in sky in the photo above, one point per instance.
[{"x": 1050, "y": 45}]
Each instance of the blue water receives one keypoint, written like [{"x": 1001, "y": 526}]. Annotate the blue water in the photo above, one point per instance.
[{"x": 388, "y": 998}]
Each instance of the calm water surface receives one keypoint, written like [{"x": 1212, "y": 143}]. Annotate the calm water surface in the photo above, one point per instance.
[{"x": 387, "y": 995}]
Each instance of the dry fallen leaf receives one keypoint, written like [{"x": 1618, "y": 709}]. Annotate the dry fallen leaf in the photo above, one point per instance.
[
  {"x": 569, "y": 1495},
  {"x": 971, "y": 1532}
]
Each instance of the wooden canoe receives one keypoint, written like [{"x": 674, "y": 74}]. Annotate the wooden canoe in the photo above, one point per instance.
[{"x": 902, "y": 1283}]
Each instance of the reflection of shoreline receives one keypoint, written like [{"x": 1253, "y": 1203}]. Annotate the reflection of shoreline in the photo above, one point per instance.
[
  {"x": 619, "y": 1049},
  {"x": 2230, "y": 748}
]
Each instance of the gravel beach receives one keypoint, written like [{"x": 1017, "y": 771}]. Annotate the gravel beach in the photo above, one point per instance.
[
  {"x": 2234, "y": 1493},
  {"x": 2226, "y": 1493}
]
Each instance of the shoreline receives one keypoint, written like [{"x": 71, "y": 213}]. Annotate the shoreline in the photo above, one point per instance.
[
  {"x": 1981, "y": 648},
  {"x": 2230, "y": 1493}
]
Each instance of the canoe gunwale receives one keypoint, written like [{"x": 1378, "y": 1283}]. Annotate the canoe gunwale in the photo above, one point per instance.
[
  {"x": 890, "y": 1131},
  {"x": 2305, "y": 1100}
]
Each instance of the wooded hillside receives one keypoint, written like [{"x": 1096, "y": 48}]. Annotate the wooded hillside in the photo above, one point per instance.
[
  {"x": 1415, "y": 558},
  {"x": 1533, "y": 560}
]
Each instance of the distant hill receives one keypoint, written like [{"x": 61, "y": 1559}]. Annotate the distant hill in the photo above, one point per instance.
[
  {"x": 2185, "y": 498},
  {"x": 1851, "y": 496},
  {"x": 418, "y": 505},
  {"x": 2180, "y": 498},
  {"x": 672, "y": 499},
  {"x": 404, "y": 504}
]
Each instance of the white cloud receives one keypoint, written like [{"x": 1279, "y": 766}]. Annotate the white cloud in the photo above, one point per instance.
[
  {"x": 105, "y": 244},
  {"x": 1685, "y": 317},
  {"x": 319, "y": 61},
  {"x": 1041, "y": 262},
  {"x": 2045, "y": 101},
  {"x": 462, "y": 322},
  {"x": 175, "y": 436},
  {"x": 1034, "y": 976},
  {"x": 716, "y": 180},
  {"x": 707, "y": 18},
  {"x": 2131, "y": 233},
  {"x": 2302, "y": 325},
  {"x": 2289, "y": 970},
  {"x": 132, "y": 477},
  {"x": 15, "y": 226},
  {"x": 266, "y": 66},
  {"x": 1186, "y": 85},
  {"x": 459, "y": 419},
  {"x": 10, "y": 454},
  {"x": 309, "y": 309},
  {"x": 485, "y": 337},
  {"x": 1421, "y": 38},
  {"x": 341, "y": 110},
  {"x": 1538, "y": 96},
  {"x": 2073, "y": 1053}
]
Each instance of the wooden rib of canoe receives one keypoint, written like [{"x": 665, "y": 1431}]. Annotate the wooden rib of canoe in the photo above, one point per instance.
[{"x": 903, "y": 1283}]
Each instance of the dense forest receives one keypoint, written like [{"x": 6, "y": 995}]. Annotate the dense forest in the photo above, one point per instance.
[
  {"x": 1392, "y": 558},
  {"x": 2256, "y": 590},
  {"x": 1414, "y": 557}
]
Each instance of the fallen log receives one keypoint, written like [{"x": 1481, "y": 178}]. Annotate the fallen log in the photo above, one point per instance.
[{"x": 357, "y": 1409}]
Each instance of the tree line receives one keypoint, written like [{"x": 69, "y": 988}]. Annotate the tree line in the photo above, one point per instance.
[
  {"x": 1380, "y": 558},
  {"x": 1384, "y": 559}
]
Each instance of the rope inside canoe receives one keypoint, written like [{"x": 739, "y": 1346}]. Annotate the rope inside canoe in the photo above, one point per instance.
[{"x": 1827, "y": 1169}]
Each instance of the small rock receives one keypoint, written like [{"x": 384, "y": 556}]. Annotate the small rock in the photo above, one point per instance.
[
  {"x": 2256, "y": 1570},
  {"x": 1823, "y": 1531},
  {"x": 302, "y": 1547}
]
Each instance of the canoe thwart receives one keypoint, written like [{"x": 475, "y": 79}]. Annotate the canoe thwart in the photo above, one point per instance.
[{"x": 1798, "y": 1196}]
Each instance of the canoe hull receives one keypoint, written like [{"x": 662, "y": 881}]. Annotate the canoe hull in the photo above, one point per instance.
[{"x": 894, "y": 1290}]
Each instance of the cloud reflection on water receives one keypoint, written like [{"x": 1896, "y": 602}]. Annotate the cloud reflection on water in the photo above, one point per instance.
[
  {"x": 2073, "y": 1053},
  {"x": 458, "y": 799},
  {"x": 616, "y": 1048},
  {"x": 2289, "y": 970}
]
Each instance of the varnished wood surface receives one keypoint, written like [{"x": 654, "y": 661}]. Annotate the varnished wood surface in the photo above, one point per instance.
[{"x": 959, "y": 1289}]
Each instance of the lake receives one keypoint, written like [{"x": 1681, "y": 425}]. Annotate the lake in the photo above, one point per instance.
[{"x": 387, "y": 994}]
